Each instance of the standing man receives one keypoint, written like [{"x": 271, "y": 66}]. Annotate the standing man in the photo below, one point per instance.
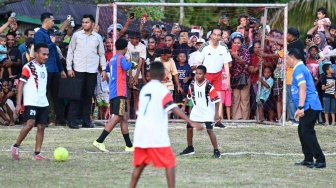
[
  {"x": 54, "y": 69},
  {"x": 33, "y": 85},
  {"x": 214, "y": 54},
  {"x": 86, "y": 52},
  {"x": 308, "y": 106}
]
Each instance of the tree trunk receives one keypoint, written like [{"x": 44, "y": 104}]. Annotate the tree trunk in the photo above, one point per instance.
[{"x": 181, "y": 13}]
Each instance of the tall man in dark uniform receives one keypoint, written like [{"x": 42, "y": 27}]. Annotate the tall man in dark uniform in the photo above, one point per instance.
[{"x": 308, "y": 105}]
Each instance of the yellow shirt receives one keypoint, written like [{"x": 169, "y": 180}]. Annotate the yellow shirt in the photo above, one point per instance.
[
  {"x": 289, "y": 73},
  {"x": 170, "y": 71}
]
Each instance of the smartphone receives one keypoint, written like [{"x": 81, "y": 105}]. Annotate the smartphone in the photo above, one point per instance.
[
  {"x": 223, "y": 15},
  {"x": 144, "y": 17},
  {"x": 132, "y": 15},
  {"x": 310, "y": 37},
  {"x": 72, "y": 23},
  {"x": 176, "y": 26},
  {"x": 69, "y": 17},
  {"x": 234, "y": 48},
  {"x": 13, "y": 14}
]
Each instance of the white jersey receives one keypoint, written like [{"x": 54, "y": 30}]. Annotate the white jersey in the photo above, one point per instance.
[
  {"x": 214, "y": 58},
  {"x": 35, "y": 88},
  {"x": 204, "y": 97},
  {"x": 151, "y": 128}
]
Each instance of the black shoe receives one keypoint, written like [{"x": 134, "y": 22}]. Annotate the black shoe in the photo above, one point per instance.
[
  {"x": 220, "y": 125},
  {"x": 318, "y": 165},
  {"x": 79, "y": 122},
  {"x": 217, "y": 154},
  {"x": 73, "y": 125},
  {"x": 303, "y": 163},
  {"x": 87, "y": 125},
  {"x": 188, "y": 151},
  {"x": 61, "y": 122}
]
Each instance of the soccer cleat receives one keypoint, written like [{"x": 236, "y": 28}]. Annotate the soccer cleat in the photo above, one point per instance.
[
  {"x": 100, "y": 146},
  {"x": 217, "y": 155},
  {"x": 15, "y": 153},
  {"x": 40, "y": 158},
  {"x": 220, "y": 125},
  {"x": 129, "y": 148},
  {"x": 188, "y": 151}
]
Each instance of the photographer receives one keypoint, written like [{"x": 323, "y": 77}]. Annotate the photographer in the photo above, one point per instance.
[{"x": 7, "y": 106}]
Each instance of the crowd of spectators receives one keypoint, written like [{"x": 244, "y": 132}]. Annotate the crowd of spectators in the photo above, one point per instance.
[{"x": 179, "y": 51}]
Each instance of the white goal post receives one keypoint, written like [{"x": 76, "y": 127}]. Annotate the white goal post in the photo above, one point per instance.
[{"x": 245, "y": 5}]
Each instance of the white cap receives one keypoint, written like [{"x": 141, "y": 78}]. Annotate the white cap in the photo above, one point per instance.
[
  {"x": 119, "y": 26},
  {"x": 200, "y": 40}
]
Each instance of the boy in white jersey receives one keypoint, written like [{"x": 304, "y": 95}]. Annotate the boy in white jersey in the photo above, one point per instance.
[
  {"x": 33, "y": 85},
  {"x": 151, "y": 139},
  {"x": 206, "y": 103}
]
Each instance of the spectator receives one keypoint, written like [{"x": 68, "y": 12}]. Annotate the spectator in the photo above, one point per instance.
[
  {"x": 156, "y": 31},
  {"x": 9, "y": 22},
  {"x": 192, "y": 56},
  {"x": 3, "y": 55},
  {"x": 85, "y": 53},
  {"x": 136, "y": 52},
  {"x": 214, "y": 55},
  {"x": 328, "y": 86},
  {"x": 26, "y": 55},
  {"x": 241, "y": 94},
  {"x": 152, "y": 52},
  {"x": 170, "y": 71},
  {"x": 108, "y": 49},
  {"x": 266, "y": 87},
  {"x": 182, "y": 45},
  {"x": 54, "y": 69},
  {"x": 7, "y": 106},
  {"x": 184, "y": 75},
  {"x": 14, "y": 58},
  {"x": 321, "y": 19}
]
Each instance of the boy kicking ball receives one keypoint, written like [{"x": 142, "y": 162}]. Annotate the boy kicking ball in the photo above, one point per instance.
[
  {"x": 151, "y": 139},
  {"x": 205, "y": 110},
  {"x": 33, "y": 86}
]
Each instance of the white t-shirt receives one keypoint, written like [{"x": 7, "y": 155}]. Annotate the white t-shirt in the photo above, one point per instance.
[
  {"x": 151, "y": 128},
  {"x": 134, "y": 53},
  {"x": 192, "y": 59},
  {"x": 35, "y": 88},
  {"x": 204, "y": 97},
  {"x": 214, "y": 58}
]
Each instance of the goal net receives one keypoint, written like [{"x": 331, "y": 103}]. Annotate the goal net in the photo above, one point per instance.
[{"x": 259, "y": 26}]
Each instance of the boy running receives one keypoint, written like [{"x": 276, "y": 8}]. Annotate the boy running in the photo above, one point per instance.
[
  {"x": 33, "y": 85},
  {"x": 151, "y": 139},
  {"x": 117, "y": 69},
  {"x": 205, "y": 110}
]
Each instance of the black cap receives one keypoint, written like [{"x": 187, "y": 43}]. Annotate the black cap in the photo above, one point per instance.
[
  {"x": 134, "y": 34},
  {"x": 294, "y": 32},
  {"x": 29, "y": 40}
]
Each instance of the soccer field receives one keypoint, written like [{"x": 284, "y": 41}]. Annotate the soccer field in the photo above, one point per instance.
[{"x": 252, "y": 156}]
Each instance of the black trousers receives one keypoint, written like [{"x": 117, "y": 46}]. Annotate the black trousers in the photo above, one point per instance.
[
  {"x": 52, "y": 88},
  {"x": 310, "y": 146},
  {"x": 81, "y": 109}
]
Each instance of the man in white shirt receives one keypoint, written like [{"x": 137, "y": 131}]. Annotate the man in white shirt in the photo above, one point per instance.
[
  {"x": 86, "y": 52},
  {"x": 214, "y": 54}
]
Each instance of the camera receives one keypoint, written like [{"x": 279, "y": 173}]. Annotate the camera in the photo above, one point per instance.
[{"x": 252, "y": 21}]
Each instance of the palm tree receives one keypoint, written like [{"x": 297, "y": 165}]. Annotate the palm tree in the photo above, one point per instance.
[{"x": 302, "y": 13}]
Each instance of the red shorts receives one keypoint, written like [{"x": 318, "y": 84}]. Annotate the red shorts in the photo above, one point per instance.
[
  {"x": 215, "y": 79},
  {"x": 161, "y": 157}
]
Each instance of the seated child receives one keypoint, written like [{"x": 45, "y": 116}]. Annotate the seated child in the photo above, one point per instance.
[{"x": 321, "y": 15}]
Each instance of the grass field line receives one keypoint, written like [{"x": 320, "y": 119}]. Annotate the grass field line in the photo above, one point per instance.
[{"x": 230, "y": 153}]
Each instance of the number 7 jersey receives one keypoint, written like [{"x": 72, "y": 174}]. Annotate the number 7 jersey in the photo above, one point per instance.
[{"x": 151, "y": 128}]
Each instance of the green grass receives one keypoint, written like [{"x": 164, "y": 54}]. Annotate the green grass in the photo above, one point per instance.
[{"x": 254, "y": 156}]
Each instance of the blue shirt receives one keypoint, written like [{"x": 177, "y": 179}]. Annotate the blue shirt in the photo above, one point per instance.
[
  {"x": 183, "y": 71},
  {"x": 265, "y": 92},
  {"x": 23, "y": 48},
  {"x": 3, "y": 49},
  {"x": 53, "y": 63},
  {"x": 301, "y": 75},
  {"x": 117, "y": 69}
]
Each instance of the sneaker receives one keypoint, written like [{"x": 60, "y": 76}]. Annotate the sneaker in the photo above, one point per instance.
[
  {"x": 129, "y": 148},
  {"x": 217, "y": 155},
  {"x": 220, "y": 125},
  {"x": 100, "y": 146},
  {"x": 40, "y": 158},
  {"x": 15, "y": 153},
  {"x": 188, "y": 151}
]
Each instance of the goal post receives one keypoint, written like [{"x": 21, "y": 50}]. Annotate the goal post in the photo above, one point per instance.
[{"x": 111, "y": 11}]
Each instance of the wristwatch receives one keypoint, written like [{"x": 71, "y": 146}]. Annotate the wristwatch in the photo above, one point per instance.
[{"x": 300, "y": 107}]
